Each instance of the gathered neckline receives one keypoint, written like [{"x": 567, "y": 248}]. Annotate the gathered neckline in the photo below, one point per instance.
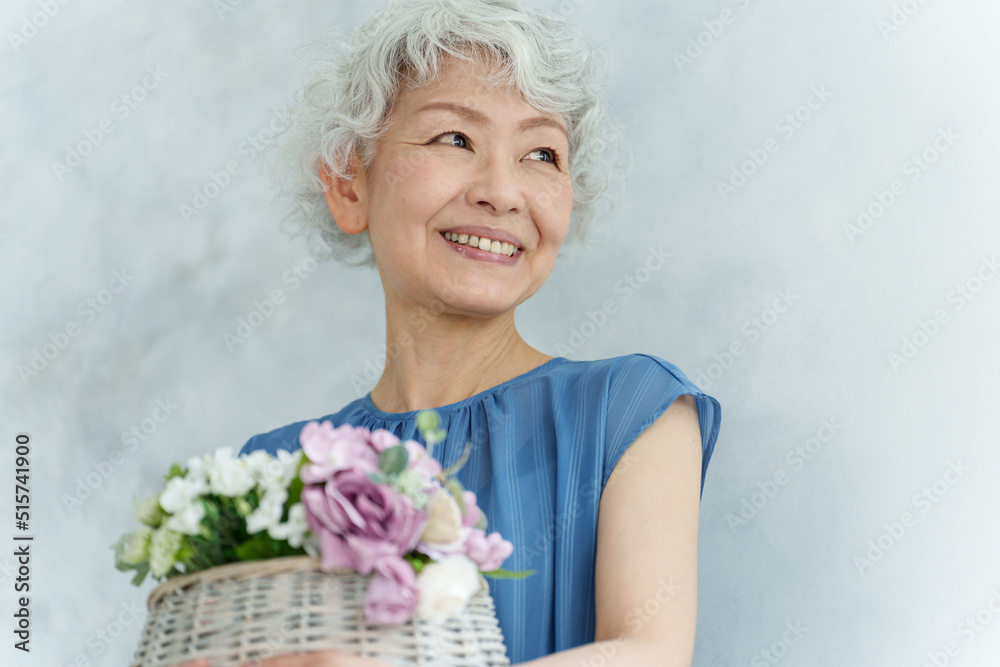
[{"x": 369, "y": 405}]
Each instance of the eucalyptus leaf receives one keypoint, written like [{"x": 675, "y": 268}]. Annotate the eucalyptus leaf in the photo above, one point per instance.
[{"x": 393, "y": 460}]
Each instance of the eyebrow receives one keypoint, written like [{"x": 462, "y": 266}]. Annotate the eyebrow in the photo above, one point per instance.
[{"x": 475, "y": 116}]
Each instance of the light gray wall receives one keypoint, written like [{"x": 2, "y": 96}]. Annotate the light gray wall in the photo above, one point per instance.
[{"x": 897, "y": 428}]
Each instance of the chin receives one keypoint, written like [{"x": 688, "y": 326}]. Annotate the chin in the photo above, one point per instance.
[{"x": 481, "y": 305}]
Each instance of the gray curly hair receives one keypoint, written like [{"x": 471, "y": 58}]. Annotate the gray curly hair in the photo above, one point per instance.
[{"x": 343, "y": 106}]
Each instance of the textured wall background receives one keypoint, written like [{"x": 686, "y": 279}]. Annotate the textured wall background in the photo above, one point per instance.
[{"x": 828, "y": 440}]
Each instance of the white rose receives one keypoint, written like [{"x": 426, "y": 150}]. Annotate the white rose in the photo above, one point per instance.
[
  {"x": 179, "y": 493},
  {"x": 444, "y": 520},
  {"x": 445, "y": 587}
]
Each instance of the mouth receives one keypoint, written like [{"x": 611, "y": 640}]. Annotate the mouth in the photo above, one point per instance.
[{"x": 493, "y": 246}]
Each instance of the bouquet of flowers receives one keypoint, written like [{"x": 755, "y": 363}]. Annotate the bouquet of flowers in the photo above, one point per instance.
[{"x": 351, "y": 497}]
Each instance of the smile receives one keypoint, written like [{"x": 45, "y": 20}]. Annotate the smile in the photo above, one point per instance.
[{"x": 483, "y": 243}]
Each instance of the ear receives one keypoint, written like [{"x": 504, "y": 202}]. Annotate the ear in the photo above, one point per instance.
[{"x": 347, "y": 199}]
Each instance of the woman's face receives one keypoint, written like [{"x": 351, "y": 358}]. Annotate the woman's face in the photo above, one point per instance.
[{"x": 496, "y": 170}]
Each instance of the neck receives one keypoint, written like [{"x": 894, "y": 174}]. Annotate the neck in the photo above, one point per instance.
[{"x": 435, "y": 359}]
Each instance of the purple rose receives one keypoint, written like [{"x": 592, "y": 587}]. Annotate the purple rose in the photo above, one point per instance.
[
  {"x": 360, "y": 523},
  {"x": 392, "y": 593},
  {"x": 331, "y": 450},
  {"x": 487, "y": 551}
]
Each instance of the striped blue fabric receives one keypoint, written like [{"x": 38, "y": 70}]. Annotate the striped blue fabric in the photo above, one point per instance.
[{"x": 543, "y": 446}]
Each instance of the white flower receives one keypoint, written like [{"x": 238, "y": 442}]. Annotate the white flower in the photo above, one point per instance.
[
  {"x": 163, "y": 548},
  {"x": 272, "y": 472},
  {"x": 188, "y": 520},
  {"x": 136, "y": 547},
  {"x": 294, "y": 530},
  {"x": 269, "y": 512},
  {"x": 257, "y": 462},
  {"x": 148, "y": 512},
  {"x": 445, "y": 587},
  {"x": 181, "y": 492},
  {"x": 198, "y": 467},
  {"x": 229, "y": 475}
]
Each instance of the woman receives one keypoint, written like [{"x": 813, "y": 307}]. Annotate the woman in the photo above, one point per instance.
[{"x": 457, "y": 142}]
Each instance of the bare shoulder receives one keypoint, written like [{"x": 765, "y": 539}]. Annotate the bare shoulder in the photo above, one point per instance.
[{"x": 677, "y": 428}]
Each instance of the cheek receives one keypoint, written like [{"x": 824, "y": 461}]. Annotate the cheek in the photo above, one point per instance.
[
  {"x": 414, "y": 180},
  {"x": 553, "y": 206}
]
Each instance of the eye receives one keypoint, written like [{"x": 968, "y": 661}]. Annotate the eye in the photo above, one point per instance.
[
  {"x": 456, "y": 133},
  {"x": 553, "y": 154}
]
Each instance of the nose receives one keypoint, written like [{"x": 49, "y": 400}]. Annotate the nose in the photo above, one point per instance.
[{"x": 497, "y": 187}]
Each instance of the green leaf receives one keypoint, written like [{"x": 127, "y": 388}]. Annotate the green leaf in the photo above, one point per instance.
[
  {"x": 294, "y": 491},
  {"x": 212, "y": 507},
  {"x": 185, "y": 552},
  {"x": 296, "y": 485},
  {"x": 417, "y": 560},
  {"x": 140, "y": 573},
  {"x": 175, "y": 471},
  {"x": 257, "y": 548},
  {"x": 393, "y": 460},
  {"x": 501, "y": 573},
  {"x": 377, "y": 478}
]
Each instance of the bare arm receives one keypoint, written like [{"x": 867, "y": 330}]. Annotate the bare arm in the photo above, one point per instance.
[{"x": 647, "y": 533}]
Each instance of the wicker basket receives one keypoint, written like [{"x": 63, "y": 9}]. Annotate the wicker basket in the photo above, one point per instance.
[{"x": 235, "y": 613}]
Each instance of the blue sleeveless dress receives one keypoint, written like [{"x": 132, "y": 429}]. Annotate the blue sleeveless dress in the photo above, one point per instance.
[{"x": 543, "y": 446}]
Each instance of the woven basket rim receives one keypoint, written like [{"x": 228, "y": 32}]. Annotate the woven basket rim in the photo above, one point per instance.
[
  {"x": 254, "y": 568},
  {"x": 241, "y": 570}
]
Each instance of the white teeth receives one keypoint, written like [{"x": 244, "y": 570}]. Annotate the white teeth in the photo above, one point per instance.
[{"x": 483, "y": 243}]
